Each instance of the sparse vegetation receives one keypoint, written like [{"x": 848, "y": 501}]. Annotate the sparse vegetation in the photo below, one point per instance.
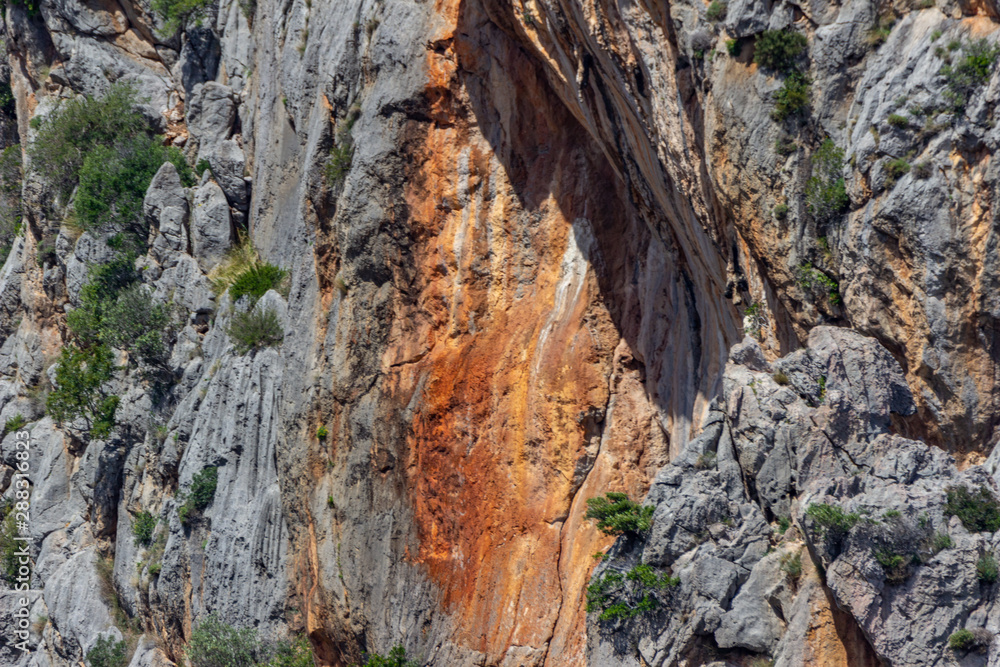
[
  {"x": 9, "y": 546},
  {"x": 176, "y": 13},
  {"x": 962, "y": 640},
  {"x": 143, "y": 526},
  {"x": 808, "y": 277},
  {"x": 896, "y": 169},
  {"x": 107, "y": 652},
  {"x": 293, "y": 653},
  {"x": 971, "y": 72},
  {"x": 80, "y": 391},
  {"x": 10, "y": 199},
  {"x": 733, "y": 47},
  {"x": 792, "y": 97},
  {"x": 716, "y": 11},
  {"x": 15, "y": 423},
  {"x": 978, "y": 511},
  {"x": 342, "y": 151},
  {"x": 322, "y": 432},
  {"x": 706, "y": 461},
  {"x": 255, "y": 329},
  {"x": 826, "y": 191},
  {"x": 200, "y": 495},
  {"x": 831, "y": 519},
  {"x": 898, "y": 120},
  {"x": 784, "y": 523},
  {"x": 396, "y": 657},
  {"x": 778, "y": 49},
  {"x": 623, "y": 596},
  {"x": 780, "y": 211},
  {"x": 780, "y": 378},
  {"x": 237, "y": 261},
  {"x": 214, "y": 643},
  {"x": 617, "y": 515},
  {"x": 987, "y": 569},
  {"x": 791, "y": 564},
  {"x": 941, "y": 541},
  {"x": 256, "y": 280}
]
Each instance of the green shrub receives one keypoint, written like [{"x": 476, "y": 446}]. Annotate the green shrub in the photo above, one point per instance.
[
  {"x": 897, "y": 120},
  {"x": 791, "y": 564},
  {"x": 118, "y": 311},
  {"x": 339, "y": 163},
  {"x": 202, "y": 166},
  {"x": 255, "y": 329},
  {"x": 107, "y": 652},
  {"x": 134, "y": 323},
  {"x": 935, "y": 35},
  {"x": 987, "y": 569},
  {"x": 716, "y": 11},
  {"x": 217, "y": 644},
  {"x": 977, "y": 511},
  {"x": 176, "y": 13},
  {"x": 200, "y": 495},
  {"x": 808, "y": 277},
  {"x": 143, "y": 526},
  {"x": 826, "y": 192},
  {"x": 780, "y": 378},
  {"x": 780, "y": 211},
  {"x": 778, "y": 49},
  {"x": 113, "y": 182},
  {"x": 785, "y": 146},
  {"x": 617, "y": 515},
  {"x": 237, "y": 261},
  {"x": 733, "y": 47},
  {"x": 72, "y": 131},
  {"x": 970, "y": 73},
  {"x": 15, "y": 423},
  {"x": 295, "y": 653},
  {"x": 706, "y": 461},
  {"x": 894, "y": 565},
  {"x": 619, "y": 596},
  {"x": 941, "y": 541},
  {"x": 256, "y": 280},
  {"x": 322, "y": 432},
  {"x": 961, "y": 640},
  {"x": 832, "y": 519},
  {"x": 396, "y": 657},
  {"x": 896, "y": 169},
  {"x": 81, "y": 375},
  {"x": 792, "y": 97},
  {"x": 10, "y": 198}
]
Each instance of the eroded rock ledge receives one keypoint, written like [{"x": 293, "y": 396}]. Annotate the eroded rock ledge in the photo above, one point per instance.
[{"x": 799, "y": 512}]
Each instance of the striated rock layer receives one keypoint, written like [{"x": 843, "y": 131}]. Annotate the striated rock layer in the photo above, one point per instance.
[{"x": 557, "y": 220}]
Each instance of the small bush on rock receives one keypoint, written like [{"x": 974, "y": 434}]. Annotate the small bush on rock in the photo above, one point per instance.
[
  {"x": 970, "y": 73},
  {"x": 200, "y": 495},
  {"x": 396, "y": 657},
  {"x": 15, "y": 423},
  {"x": 107, "y": 652},
  {"x": 295, "y": 653},
  {"x": 792, "y": 97},
  {"x": 716, "y": 11},
  {"x": 10, "y": 199},
  {"x": 832, "y": 519},
  {"x": 255, "y": 329},
  {"x": 826, "y": 191},
  {"x": 987, "y": 569},
  {"x": 176, "y": 13},
  {"x": 81, "y": 376},
  {"x": 143, "y": 526},
  {"x": 214, "y": 643},
  {"x": 778, "y": 49},
  {"x": 617, "y": 515},
  {"x": 256, "y": 280},
  {"x": 978, "y": 511}
]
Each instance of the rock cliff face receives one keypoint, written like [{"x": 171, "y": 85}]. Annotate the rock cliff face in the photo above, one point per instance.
[{"x": 526, "y": 285}]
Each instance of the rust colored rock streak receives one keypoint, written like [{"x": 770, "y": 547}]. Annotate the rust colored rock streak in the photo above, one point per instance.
[{"x": 527, "y": 398}]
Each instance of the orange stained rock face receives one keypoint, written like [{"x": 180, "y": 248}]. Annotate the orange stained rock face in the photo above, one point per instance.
[{"x": 507, "y": 357}]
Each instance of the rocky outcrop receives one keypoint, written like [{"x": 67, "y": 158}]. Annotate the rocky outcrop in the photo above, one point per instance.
[
  {"x": 799, "y": 461},
  {"x": 548, "y": 225}
]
